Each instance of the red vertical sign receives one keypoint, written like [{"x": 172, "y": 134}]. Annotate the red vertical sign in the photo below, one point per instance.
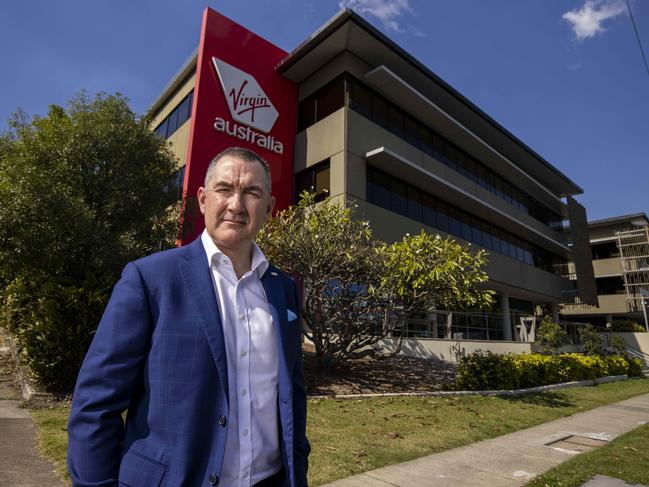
[{"x": 239, "y": 100}]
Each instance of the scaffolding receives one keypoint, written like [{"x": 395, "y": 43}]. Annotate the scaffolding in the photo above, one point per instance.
[{"x": 634, "y": 259}]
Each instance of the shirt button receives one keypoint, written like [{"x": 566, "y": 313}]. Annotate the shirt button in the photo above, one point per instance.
[
  {"x": 222, "y": 420},
  {"x": 242, "y": 317},
  {"x": 213, "y": 479},
  {"x": 244, "y": 392},
  {"x": 243, "y": 353},
  {"x": 245, "y": 432}
]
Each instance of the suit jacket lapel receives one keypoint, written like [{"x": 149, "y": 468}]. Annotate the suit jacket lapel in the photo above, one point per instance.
[
  {"x": 198, "y": 280},
  {"x": 277, "y": 305}
]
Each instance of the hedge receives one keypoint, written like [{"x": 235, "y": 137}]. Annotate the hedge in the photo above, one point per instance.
[
  {"x": 53, "y": 324},
  {"x": 490, "y": 371}
]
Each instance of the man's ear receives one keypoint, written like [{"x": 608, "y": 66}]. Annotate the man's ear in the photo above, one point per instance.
[
  {"x": 201, "y": 195},
  {"x": 271, "y": 206}
]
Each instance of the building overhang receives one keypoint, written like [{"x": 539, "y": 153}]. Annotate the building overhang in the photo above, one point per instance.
[
  {"x": 187, "y": 69},
  {"x": 391, "y": 162},
  {"x": 347, "y": 31}
]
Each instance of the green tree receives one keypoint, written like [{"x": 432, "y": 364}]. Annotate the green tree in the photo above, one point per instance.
[
  {"x": 551, "y": 336},
  {"x": 83, "y": 190},
  {"x": 591, "y": 339},
  {"x": 334, "y": 256},
  {"x": 353, "y": 284},
  {"x": 425, "y": 270}
]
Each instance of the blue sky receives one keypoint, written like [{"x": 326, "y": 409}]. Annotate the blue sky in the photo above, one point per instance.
[{"x": 565, "y": 76}]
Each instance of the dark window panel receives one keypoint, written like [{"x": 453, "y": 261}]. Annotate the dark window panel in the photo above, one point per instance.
[
  {"x": 361, "y": 100},
  {"x": 442, "y": 216},
  {"x": 428, "y": 209},
  {"x": 412, "y": 132},
  {"x": 173, "y": 122},
  {"x": 399, "y": 198},
  {"x": 415, "y": 210},
  {"x": 381, "y": 190},
  {"x": 454, "y": 223},
  {"x": 426, "y": 140},
  {"x": 380, "y": 112},
  {"x": 322, "y": 182},
  {"x": 183, "y": 111},
  {"x": 397, "y": 122},
  {"x": 306, "y": 114},
  {"x": 330, "y": 99}
]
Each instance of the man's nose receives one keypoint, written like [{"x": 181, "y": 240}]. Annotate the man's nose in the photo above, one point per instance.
[{"x": 235, "y": 202}]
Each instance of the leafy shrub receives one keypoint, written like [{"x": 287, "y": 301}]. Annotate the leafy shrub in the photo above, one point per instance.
[
  {"x": 634, "y": 366},
  {"x": 487, "y": 370},
  {"x": 52, "y": 323},
  {"x": 490, "y": 371},
  {"x": 592, "y": 340},
  {"x": 627, "y": 326},
  {"x": 551, "y": 336},
  {"x": 617, "y": 344}
]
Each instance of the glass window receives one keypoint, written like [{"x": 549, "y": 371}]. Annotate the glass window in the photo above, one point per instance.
[
  {"x": 476, "y": 232},
  {"x": 429, "y": 213},
  {"x": 486, "y": 236},
  {"x": 426, "y": 140},
  {"x": 361, "y": 100},
  {"x": 321, "y": 184},
  {"x": 306, "y": 114},
  {"x": 466, "y": 227},
  {"x": 412, "y": 131},
  {"x": 183, "y": 110},
  {"x": 173, "y": 122},
  {"x": 495, "y": 241},
  {"x": 161, "y": 131},
  {"x": 438, "y": 145},
  {"x": 454, "y": 224},
  {"x": 415, "y": 210},
  {"x": 442, "y": 216},
  {"x": 303, "y": 182},
  {"x": 380, "y": 112},
  {"x": 449, "y": 153},
  {"x": 381, "y": 189},
  {"x": 399, "y": 198},
  {"x": 397, "y": 122},
  {"x": 330, "y": 98}
]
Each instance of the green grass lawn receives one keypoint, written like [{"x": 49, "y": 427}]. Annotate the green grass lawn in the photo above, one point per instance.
[
  {"x": 625, "y": 458},
  {"x": 352, "y": 436}
]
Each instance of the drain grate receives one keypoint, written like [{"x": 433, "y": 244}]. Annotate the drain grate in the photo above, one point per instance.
[{"x": 577, "y": 443}]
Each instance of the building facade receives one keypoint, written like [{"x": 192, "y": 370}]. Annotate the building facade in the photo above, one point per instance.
[
  {"x": 620, "y": 251},
  {"x": 377, "y": 129}
]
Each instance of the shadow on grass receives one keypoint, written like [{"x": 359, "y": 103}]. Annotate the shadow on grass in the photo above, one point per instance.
[{"x": 550, "y": 399}]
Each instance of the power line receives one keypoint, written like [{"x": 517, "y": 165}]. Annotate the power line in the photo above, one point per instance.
[{"x": 628, "y": 6}]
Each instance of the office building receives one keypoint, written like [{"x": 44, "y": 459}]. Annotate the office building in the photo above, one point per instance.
[{"x": 366, "y": 123}]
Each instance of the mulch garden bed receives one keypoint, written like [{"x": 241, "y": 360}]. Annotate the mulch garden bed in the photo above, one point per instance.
[{"x": 369, "y": 376}]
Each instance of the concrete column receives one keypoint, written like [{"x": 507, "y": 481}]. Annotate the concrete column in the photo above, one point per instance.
[
  {"x": 507, "y": 320},
  {"x": 554, "y": 309}
]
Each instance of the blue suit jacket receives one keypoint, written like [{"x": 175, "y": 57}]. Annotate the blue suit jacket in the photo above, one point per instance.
[{"x": 159, "y": 352}]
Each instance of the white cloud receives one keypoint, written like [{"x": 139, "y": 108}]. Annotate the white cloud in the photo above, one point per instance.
[
  {"x": 387, "y": 11},
  {"x": 587, "y": 21}
]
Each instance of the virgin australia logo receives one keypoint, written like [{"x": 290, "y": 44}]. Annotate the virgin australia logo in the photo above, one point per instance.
[{"x": 246, "y": 100}]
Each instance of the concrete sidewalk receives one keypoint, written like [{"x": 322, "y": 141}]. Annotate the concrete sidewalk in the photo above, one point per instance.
[
  {"x": 513, "y": 459},
  {"x": 20, "y": 464}
]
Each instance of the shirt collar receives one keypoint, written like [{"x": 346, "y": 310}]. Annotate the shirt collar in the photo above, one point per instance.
[{"x": 258, "y": 261}]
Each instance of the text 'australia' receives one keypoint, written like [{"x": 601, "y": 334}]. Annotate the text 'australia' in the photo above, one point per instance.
[{"x": 242, "y": 132}]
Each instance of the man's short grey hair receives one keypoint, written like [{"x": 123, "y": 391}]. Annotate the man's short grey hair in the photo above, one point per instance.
[{"x": 240, "y": 153}]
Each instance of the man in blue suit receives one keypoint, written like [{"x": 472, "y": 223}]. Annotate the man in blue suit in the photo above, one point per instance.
[{"x": 202, "y": 346}]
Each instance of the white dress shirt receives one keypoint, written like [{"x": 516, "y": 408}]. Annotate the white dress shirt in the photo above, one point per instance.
[{"x": 252, "y": 451}]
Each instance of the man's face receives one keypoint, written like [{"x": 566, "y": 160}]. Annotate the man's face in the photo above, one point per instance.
[{"x": 235, "y": 203}]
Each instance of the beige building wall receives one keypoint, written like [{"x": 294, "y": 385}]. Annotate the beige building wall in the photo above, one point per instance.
[{"x": 179, "y": 140}]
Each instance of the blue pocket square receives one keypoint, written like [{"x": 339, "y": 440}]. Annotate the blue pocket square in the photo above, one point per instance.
[{"x": 291, "y": 316}]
